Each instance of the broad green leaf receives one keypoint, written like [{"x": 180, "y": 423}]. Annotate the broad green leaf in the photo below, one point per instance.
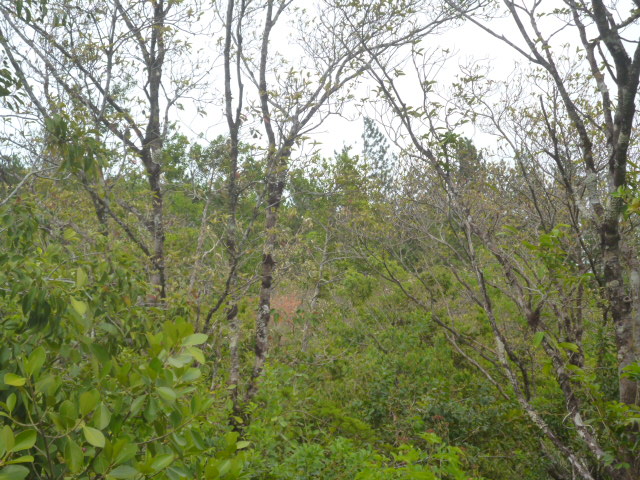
[
  {"x": 93, "y": 436},
  {"x": 231, "y": 438},
  {"x": 24, "y": 440},
  {"x": 569, "y": 346},
  {"x": 242, "y": 444},
  {"x": 81, "y": 278},
  {"x": 180, "y": 361},
  {"x": 161, "y": 461},
  {"x": 224, "y": 467},
  {"x": 35, "y": 361},
  {"x": 14, "y": 380},
  {"x": 73, "y": 456},
  {"x": 11, "y": 402},
  {"x": 190, "y": 375},
  {"x": 22, "y": 459},
  {"x": 14, "y": 472},
  {"x": 47, "y": 384},
  {"x": 196, "y": 353},
  {"x": 57, "y": 421},
  {"x": 69, "y": 410},
  {"x": 537, "y": 339},
  {"x": 100, "y": 353},
  {"x": 123, "y": 471},
  {"x": 195, "y": 339},
  {"x": 176, "y": 473},
  {"x": 79, "y": 306},
  {"x": 124, "y": 451},
  {"x": 88, "y": 401},
  {"x": 167, "y": 394},
  {"x": 137, "y": 404},
  {"x": 102, "y": 417},
  {"x": 7, "y": 440}
]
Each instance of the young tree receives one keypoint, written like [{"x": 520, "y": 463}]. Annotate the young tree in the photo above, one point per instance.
[
  {"x": 102, "y": 72},
  {"x": 293, "y": 103},
  {"x": 375, "y": 151},
  {"x": 614, "y": 64},
  {"x": 548, "y": 282}
]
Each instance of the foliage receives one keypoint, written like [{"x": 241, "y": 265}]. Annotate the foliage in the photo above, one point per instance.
[{"x": 90, "y": 387}]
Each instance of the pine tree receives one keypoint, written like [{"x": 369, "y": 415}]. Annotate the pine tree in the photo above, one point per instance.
[{"x": 377, "y": 155}]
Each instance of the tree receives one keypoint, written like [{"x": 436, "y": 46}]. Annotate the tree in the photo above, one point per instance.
[
  {"x": 376, "y": 152},
  {"x": 81, "y": 69},
  {"x": 556, "y": 270},
  {"x": 610, "y": 61},
  {"x": 291, "y": 104}
]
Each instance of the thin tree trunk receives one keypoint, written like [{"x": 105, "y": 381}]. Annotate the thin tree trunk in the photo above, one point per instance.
[
  {"x": 316, "y": 292},
  {"x": 197, "y": 263},
  {"x": 264, "y": 308},
  {"x": 234, "y": 121},
  {"x": 275, "y": 174}
]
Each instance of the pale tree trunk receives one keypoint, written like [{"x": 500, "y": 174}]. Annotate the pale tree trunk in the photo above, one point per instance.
[
  {"x": 152, "y": 148},
  {"x": 577, "y": 461},
  {"x": 316, "y": 290},
  {"x": 297, "y": 110},
  {"x": 157, "y": 278},
  {"x": 276, "y": 160},
  {"x": 197, "y": 262},
  {"x": 263, "y": 318},
  {"x": 234, "y": 122},
  {"x": 508, "y": 361}
]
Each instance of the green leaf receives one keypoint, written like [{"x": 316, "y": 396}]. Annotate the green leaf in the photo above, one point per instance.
[
  {"x": 190, "y": 375},
  {"x": 79, "y": 306},
  {"x": 35, "y": 361},
  {"x": 196, "y": 353},
  {"x": 81, "y": 278},
  {"x": 569, "y": 346},
  {"x": 537, "y": 339},
  {"x": 7, "y": 440},
  {"x": 24, "y": 440},
  {"x": 102, "y": 417},
  {"x": 123, "y": 471},
  {"x": 14, "y": 380},
  {"x": 73, "y": 456},
  {"x": 93, "y": 436},
  {"x": 14, "y": 472},
  {"x": 70, "y": 235},
  {"x": 242, "y": 444},
  {"x": 22, "y": 459},
  {"x": 162, "y": 461},
  {"x": 195, "y": 339},
  {"x": 177, "y": 473},
  {"x": 167, "y": 394},
  {"x": 124, "y": 451},
  {"x": 180, "y": 361},
  {"x": 137, "y": 404},
  {"x": 88, "y": 401},
  {"x": 11, "y": 402},
  {"x": 69, "y": 411},
  {"x": 631, "y": 371}
]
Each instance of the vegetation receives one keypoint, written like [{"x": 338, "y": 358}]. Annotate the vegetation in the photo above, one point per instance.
[{"x": 245, "y": 306}]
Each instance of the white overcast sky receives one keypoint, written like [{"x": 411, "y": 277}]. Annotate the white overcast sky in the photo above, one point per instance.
[{"x": 467, "y": 42}]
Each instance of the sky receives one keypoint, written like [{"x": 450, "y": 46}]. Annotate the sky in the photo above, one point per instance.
[{"x": 465, "y": 43}]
